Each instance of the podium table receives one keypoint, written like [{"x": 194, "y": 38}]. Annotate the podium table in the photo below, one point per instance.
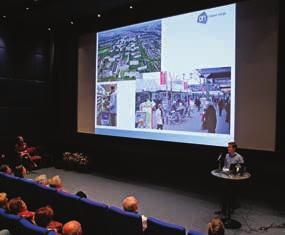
[{"x": 230, "y": 180}]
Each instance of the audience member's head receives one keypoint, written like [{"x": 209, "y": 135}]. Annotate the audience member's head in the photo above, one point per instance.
[
  {"x": 20, "y": 139},
  {"x": 44, "y": 216},
  {"x": 232, "y": 147},
  {"x": 20, "y": 171},
  {"x": 3, "y": 200},
  {"x": 216, "y": 227},
  {"x": 5, "y": 169},
  {"x": 16, "y": 205},
  {"x": 131, "y": 204},
  {"x": 55, "y": 182},
  {"x": 42, "y": 179},
  {"x": 72, "y": 228},
  {"x": 81, "y": 194}
]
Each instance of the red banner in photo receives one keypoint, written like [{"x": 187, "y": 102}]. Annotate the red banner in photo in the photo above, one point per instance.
[{"x": 163, "y": 77}]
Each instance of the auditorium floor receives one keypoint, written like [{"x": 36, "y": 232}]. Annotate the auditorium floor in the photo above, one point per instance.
[{"x": 185, "y": 208}]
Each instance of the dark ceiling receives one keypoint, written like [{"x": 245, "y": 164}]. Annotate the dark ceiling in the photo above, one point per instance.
[
  {"x": 56, "y": 10},
  {"x": 60, "y": 12}
]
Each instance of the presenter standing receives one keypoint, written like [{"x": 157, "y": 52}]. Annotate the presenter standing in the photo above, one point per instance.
[{"x": 232, "y": 157}]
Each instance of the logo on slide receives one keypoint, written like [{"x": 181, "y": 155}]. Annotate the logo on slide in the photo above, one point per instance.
[{"x": 202, "y": 18}]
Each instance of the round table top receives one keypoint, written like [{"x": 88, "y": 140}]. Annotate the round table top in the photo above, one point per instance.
[{"x": 229, "y": 176}]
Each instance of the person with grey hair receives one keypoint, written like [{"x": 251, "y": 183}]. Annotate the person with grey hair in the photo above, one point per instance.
[{"x": 5, "y": 232}]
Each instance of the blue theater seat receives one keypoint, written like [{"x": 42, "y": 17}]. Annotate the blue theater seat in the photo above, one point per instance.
[
  {"x": 122, "y": 222},
  {"x": 8, "y": 184},
  {"x": 194, "y": 232},
  {"x": 25, "y": 227},
  {"x": 93, "y": 217},
  {"x": 36, "y": 195},
  {"x": 158, "y": 227},
  {"x": 9, "y": 221},
  {"x": 66, "y": 206}
]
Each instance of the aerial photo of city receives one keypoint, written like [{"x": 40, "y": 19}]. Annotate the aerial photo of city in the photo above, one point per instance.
[{"x": 126, "y": 53}]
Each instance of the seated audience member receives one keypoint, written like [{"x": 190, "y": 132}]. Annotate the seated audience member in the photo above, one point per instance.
[
  {"x": 81, "y": 194},
  {"x": 44, "y": 218},
  {"x": 72, "y": 227},
  {"x": 216, "y": 227},
  {"x": 20, "y": 171},
  {"x": 5, "y": 169},
  {"x": 5, "y": 232},
  {"x": 55, "y": 182},
  {"x": 3, "y": 159},
  {"x": 131, "y": 204},
  {"x": 17, "y": 206},
  {"x": 24, "y": 152},
  {"x": 3, "y": 200},
  {"x": 42, "y": 179}
]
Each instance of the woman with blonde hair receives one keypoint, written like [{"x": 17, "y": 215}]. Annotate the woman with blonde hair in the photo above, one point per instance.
[
  {"x": 55, "y": 182},
  {"x": 42, "y": 179}
]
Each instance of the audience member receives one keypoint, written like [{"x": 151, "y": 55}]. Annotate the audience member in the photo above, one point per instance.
[
  {"x": 20, "y": 171},
  {"x": 72, "y": 227},
  {"x": 81, "y": 194},
  {"x": 3, "y": 200},
  {"x": 17, "y": 206},
  {"x": 25, "y": 152},
  {"x": 5, "y": 232},
  {"x": 5, "y": 169},
  {"x": 216, "y": 227},
  {"x": 3, "y": 159},
  {"x": 42, "y": 179},
  {"x": 55, "y": 182},
  {"x": 131, "y": 204},
  {"x": 44, "y": 218}
]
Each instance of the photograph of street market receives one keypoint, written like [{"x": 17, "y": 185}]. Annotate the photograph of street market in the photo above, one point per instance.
[
  {"x": 198, "y": 101},
  {"x": 106, "y": 104},
  {"x": 125, "y": 53}
]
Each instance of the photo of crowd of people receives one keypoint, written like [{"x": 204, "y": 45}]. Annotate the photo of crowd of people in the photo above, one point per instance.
[
  {"x": 106, "y": 104},
  {"x": 199, "y": 101}
]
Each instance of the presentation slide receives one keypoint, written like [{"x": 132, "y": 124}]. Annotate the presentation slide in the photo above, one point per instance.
[{"x": 171, "y": 79}]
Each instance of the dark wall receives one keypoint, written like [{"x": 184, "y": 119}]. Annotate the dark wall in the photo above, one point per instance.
[{"x": 24, "y": 83}]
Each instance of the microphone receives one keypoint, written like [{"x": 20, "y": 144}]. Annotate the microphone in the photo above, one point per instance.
[
  {"x": 220, "y": 156},
  {"x": 219, "y": 160}
]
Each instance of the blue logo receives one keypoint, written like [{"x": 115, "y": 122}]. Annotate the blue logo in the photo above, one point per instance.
[{"x": 202, "y": 18}]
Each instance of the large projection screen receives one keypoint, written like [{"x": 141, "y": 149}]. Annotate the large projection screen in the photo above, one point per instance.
[{"x": 189, "y": 78}]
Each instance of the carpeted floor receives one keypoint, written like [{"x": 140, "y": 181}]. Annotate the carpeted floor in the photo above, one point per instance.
[{"x": 190, "y": 210}]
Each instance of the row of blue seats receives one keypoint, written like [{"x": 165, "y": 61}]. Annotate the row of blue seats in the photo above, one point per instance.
[
  {"x": 95, "y": 217},
  {"x": 18, "y": 225}
]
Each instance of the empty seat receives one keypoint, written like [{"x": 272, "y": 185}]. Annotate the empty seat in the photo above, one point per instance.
[
  {"x": 158, "y": 227},
  {"x": 93, "y": 217},
  {"x": 8, "y": 184},
  {"x": 122, "y": 222},
  {"x": 36, "y": 195},
  {"x": 66, "y": 206}
]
